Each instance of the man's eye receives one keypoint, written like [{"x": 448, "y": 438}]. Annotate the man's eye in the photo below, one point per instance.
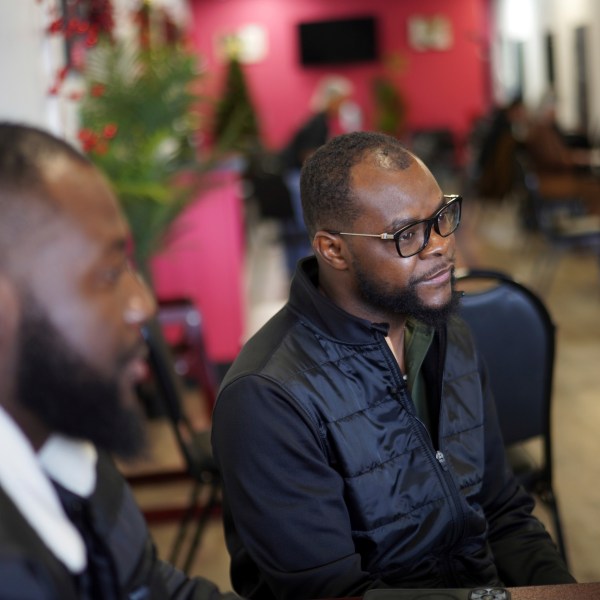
[
  {"x": 112, "y": 274},
  {"x": 406, "y": 236}
]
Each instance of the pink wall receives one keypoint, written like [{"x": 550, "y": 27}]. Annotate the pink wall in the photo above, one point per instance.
[
  {"x": 442, "y": 89},
  {"x": 203, "y": 262}
]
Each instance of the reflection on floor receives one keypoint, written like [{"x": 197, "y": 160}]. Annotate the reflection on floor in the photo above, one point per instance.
[{"x": 489, "y": 236}]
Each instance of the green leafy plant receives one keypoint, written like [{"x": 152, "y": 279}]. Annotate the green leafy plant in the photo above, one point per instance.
[
  {"x": 391, "y": 109},
  {"x": 140, "y": 119},
  {"x": 235, "y": 112}
]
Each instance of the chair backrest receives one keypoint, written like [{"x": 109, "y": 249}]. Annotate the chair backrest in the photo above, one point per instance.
[
  {"x": 183, "y": 316},
  {"x": 265, "y": 182},
  {"x": 195, "y": 449},
  {"x": 437, "y": 149},
  {"x": 543, "y": 214},
  {"x": 516, "y": 337}
]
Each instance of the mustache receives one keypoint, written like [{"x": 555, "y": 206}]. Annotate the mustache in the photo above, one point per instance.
[
  {"x": 435, "y": 270},
  {"x": 139, "y": 349}
]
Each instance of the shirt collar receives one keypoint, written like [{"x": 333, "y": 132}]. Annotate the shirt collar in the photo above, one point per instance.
[
  {"x": 71, "y": 463},
  {"x": 25, "y": 478}
]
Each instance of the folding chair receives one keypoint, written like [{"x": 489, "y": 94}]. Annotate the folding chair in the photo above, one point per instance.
[
  {"x": 181, "y": 324},
  {"x": 515, "y": 334},
  {"x": 194, "y": 445}
]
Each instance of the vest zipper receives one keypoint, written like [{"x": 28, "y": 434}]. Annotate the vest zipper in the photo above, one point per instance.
[
  {"x": 439, "y": 455},
  {"x": 454, "y": 497},
  {"x": 445, "y": 476}
]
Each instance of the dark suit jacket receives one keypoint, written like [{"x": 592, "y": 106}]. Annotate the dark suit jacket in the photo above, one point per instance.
[{"x": 30, "y": 571}]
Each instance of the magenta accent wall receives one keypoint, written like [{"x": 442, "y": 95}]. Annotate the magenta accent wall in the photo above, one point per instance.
[{"x": 442, "y": 88}]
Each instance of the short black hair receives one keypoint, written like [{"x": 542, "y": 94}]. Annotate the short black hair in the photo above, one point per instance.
[
  {"x": 325, "y": 182},
  {"x": 23, "y": 152}
]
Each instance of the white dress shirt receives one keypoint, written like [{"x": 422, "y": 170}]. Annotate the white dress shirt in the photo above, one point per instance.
[{"x": 24, "y": 477}]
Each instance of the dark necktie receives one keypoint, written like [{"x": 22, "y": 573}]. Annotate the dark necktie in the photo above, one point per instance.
[{"x": 99, "y": 580}]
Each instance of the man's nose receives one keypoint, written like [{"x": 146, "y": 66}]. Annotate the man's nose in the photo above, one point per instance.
[
  {"x": 438, "y": 244},
  {"x": 141, "y": 303}
]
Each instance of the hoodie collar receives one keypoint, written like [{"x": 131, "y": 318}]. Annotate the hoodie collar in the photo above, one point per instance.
[{"x": 311, "y": 305}]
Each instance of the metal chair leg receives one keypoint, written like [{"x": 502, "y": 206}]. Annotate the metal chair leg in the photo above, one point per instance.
[
  {"x": 552, "y": 504},
  {"x": 207, "y": 510},
  {"x": 184, "y": 523}
]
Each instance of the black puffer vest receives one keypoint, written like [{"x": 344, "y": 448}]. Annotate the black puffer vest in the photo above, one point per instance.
[{"x": 414, "y": 501}]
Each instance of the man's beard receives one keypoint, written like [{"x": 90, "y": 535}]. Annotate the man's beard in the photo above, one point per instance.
[
  {"x": 68, "y": 394},
  {"x": 405, "y": 301}
]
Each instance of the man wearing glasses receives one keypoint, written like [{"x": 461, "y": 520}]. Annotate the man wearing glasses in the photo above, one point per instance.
[{"x": 355, "y": 432}]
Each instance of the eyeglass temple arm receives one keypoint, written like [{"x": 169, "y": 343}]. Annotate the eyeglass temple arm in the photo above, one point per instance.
[{"x": 382, "y": 236}]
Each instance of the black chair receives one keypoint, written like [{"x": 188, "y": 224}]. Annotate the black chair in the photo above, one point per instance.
[
  {"x": 264, "y": 182},
  {"x": 515, "y": 334},
  {"x": 194, "y": 445},
  {"x": 437, "y": 149},
  {"x": 181, "y": 322}
]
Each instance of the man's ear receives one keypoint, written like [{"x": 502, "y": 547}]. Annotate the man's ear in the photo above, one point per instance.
[
  {"x": 331, "y": 249},
  {"x": 9, "y": 310}
]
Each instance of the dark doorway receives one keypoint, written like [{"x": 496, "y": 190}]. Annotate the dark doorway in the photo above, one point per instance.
[{"x": 581, "y": 84}]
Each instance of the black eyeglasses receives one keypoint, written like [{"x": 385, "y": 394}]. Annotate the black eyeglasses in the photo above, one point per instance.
[{"x": 412, "y": 238}]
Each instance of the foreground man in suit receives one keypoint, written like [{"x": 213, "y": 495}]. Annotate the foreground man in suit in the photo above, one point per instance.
[
  {"x": 71, "y": 354},
  {"x": 356, "y": 433}
]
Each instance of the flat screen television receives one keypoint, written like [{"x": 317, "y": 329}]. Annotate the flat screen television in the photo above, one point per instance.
[{"x": 340, "y": 41}]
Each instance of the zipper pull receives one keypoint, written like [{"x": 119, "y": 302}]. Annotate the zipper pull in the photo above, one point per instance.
[{"x": 439, "y": 455}]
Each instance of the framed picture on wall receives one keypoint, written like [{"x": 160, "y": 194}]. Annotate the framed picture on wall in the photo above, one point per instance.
[{"x": 429, "y": 33}]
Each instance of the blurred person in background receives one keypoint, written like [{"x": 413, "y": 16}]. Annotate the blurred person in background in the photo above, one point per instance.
[
  {"x": 332, "y": 111},
  {"x": 563, "y": 170},
  {"x": 547, "y": 144},
  {"x": 496, "y": 164}
]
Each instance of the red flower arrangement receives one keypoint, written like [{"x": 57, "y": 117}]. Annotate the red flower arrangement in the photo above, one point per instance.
[
  {"x": 91, "y": 142},
  {"x": 82, "y": 24}
]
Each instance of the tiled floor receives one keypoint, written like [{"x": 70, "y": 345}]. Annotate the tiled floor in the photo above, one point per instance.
[{"x": 489, "y": 237}]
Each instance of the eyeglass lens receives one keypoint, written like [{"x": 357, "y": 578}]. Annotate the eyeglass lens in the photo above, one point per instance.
[{"x": 413, "y": 239}]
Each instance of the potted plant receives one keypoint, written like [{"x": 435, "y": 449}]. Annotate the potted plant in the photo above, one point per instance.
[{"x": 391, "y": 110}]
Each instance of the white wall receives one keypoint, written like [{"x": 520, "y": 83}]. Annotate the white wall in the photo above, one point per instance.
[
  {"x": 28, "y": 63},
  {"x": 516, "y": 21},
  {"x": 529, "y": 21},
  {"x": 568, "y": 17},
  {"x": 30, "y": 59}
]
